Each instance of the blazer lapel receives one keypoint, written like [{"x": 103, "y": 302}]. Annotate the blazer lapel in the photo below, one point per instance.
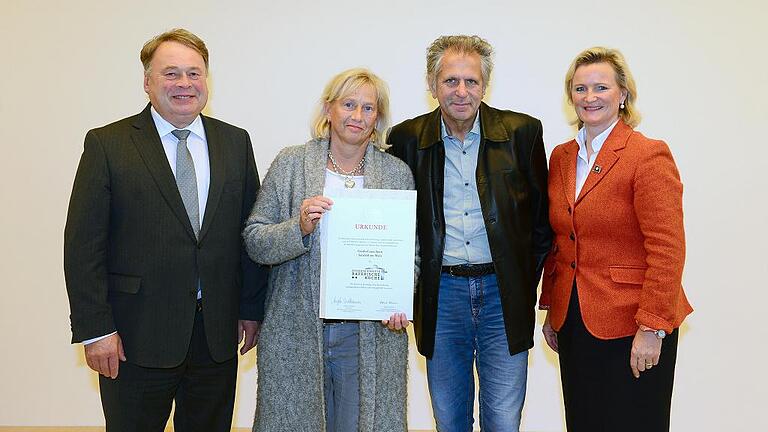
[
  {"x": 218, "y": 173},
  {"x": 607, "y": 158},
  {"x": 147, "y": 141},
  {"x": 568, "y": 170}
]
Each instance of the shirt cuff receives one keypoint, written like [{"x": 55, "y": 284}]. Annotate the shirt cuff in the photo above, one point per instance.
[{"x": 96, "y": 339}]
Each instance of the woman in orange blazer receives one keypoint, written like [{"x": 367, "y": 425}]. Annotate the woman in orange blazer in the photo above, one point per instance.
[{"x": 612, "y": 283}]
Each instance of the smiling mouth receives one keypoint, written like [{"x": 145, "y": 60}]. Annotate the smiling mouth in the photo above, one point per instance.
[
  {"x": 183, "y": 97},
  {"x": 592, "y": 108}
]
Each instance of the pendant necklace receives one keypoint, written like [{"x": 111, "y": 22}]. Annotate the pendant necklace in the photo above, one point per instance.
[{"x": 349, "y": 183}]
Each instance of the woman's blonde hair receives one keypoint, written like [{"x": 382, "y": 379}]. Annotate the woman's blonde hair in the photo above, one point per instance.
[
  {"x": 615, "y": 59},
  {"x": 341, "y": 86}
]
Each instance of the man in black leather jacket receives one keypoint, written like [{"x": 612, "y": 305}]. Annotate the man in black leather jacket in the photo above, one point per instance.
[{"x": 483, "y": 229}]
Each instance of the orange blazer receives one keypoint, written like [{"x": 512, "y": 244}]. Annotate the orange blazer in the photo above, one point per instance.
[{"x": 621, "y": 239}]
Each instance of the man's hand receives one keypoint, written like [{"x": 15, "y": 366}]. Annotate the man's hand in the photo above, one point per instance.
[
  {"x": 104, "y": 356},
  {"x": 248, "y": 331}
]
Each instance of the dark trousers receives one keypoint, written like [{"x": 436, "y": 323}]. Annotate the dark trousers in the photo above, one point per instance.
[
  {"x": 599, "y": 390},
  {"x": 140, "y": 399}
]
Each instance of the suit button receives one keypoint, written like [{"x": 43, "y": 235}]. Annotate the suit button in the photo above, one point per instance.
[
  {"x": 573, "y": 264},
  {"x": 492, "y": 220},
  {"x": 572, "y": 236},
  {"x": 569, "y": 210}
]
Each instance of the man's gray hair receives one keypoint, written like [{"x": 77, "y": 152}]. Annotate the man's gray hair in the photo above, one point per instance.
[{"x": 461, "y": 44}]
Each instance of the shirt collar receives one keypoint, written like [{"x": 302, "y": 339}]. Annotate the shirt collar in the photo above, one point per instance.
[
  {"x": 597, "y": 142},
  {"x": 475, "y": 127},
  {"x": 164, "y": 127}
]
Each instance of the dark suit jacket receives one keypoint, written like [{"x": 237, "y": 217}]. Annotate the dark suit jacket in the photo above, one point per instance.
[
  {"x": 511, "y": 179},
  {"x": 131, "y": 260}
]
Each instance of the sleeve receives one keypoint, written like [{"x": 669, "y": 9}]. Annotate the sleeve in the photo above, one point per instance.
[
  {"x": 658, "y": 196},
  {"x": 537, "y": 179},
  {"x": 548, "y": 276},
  {"x": 86, "y": 238},
  {"x": 271, "y": 238},
  {"x": 255, "y": 276}
]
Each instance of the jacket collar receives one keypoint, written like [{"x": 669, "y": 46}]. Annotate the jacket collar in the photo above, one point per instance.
[
  {"x": 607, "y": 157},
  {"x": 491, "y": 127}
]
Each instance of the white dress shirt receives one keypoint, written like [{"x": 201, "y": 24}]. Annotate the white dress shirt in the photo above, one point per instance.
[{"x": 584, "y": 164}]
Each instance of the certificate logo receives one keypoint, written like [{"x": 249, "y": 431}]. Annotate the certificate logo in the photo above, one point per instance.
[{"x": 374, "y": 273}]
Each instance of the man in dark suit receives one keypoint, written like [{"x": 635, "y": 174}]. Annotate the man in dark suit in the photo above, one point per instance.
[
  {"x": 160, "y": 289},
  {"x": 481, "y": 177}
]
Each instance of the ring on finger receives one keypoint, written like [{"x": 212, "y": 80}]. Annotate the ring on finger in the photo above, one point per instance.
[{"x": 306, "y": 211}]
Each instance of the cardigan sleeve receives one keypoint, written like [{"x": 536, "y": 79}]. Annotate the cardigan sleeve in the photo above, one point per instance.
[{"x": 272, "y": 234}]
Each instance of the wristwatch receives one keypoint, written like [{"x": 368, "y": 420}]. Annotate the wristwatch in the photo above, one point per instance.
[{"x": 660, "y": 334}]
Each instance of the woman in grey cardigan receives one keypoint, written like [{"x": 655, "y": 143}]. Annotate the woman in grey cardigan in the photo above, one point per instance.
[{"x": 317, "y": 375}]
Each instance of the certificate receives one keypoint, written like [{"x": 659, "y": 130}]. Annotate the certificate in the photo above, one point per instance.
[{"x": 367, "y": 243}]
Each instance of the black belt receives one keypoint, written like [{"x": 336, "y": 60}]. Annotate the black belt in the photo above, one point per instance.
[{"x": 470, "y": 270}]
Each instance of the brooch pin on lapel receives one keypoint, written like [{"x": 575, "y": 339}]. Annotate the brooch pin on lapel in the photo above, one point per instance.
[{"x": 597, "y": 169}]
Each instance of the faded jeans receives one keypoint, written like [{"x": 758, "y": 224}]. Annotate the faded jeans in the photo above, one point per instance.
[
  {"x": 341, "y": 352},
  {"x": 470, "y": 331}
]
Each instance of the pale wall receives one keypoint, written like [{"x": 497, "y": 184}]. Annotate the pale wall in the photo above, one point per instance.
[{"x": 700, "y": 68}]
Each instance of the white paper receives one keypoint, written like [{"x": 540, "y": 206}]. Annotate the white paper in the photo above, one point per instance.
[{"x": 367, "y": 254}]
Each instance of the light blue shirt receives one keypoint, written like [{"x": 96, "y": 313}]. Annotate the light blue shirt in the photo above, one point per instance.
[
  {"x": 465, "y": 238},
  {"x": 583, "y": 164}
]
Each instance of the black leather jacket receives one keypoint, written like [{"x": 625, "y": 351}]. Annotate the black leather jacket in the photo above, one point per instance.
[{"x": 512, "y": 183}]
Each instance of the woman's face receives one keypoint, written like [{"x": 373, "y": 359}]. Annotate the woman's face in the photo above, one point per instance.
[
  {"x": 353, "y": 117},
  {"x": 596, "y": 95}
]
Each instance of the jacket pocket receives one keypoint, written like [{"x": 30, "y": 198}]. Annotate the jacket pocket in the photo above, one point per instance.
[
  {"x": 627, "y": 274},
  {"x": 124, "y": 283}
]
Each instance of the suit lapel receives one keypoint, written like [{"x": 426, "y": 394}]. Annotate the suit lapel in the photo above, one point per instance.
[
  {"x": 218, "y": 173},
  {"x": 606, "y": 159},
  {"x": 568, "y": 170},
  {"x": 147, "y": 141}
]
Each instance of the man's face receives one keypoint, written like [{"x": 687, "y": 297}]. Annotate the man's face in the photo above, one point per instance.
[
  {"x": 176, "y": 83},
  {"x": 459, "y": 88}
]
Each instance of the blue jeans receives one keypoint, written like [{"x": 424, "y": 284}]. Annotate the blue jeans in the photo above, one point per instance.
[
  {"x": 341, "y": 351},
  {"x": 470, "y": 329}
]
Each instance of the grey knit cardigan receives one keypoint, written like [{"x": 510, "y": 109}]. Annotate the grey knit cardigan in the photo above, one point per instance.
[{"x": 290, "y": 347}]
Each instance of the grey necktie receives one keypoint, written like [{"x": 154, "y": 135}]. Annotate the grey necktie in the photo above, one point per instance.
[{"x": 187, "y": 180}]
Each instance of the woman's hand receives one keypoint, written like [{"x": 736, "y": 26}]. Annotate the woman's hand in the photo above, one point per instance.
[
  {"x": 646, "y": 349},
  {"x": 310, "y": 212},
  {"x": 396, "y": 322},
  {"x": 549, "y": 334}
]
